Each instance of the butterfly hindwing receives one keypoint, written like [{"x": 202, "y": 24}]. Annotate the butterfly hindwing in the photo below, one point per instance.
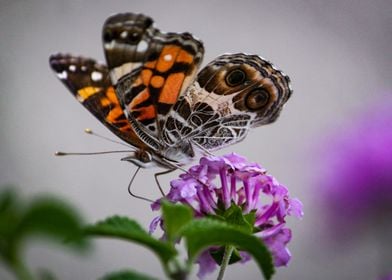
[
  {"x": 232, "y": 94},
  {"x": 89, "y": 82},
  {"x": 149, "y": 69}
]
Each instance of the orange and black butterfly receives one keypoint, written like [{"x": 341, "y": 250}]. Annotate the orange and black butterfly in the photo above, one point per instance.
[{"x": 150, "y": 95}]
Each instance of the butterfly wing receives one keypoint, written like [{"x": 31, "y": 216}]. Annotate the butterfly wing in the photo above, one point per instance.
[
  {"x": 232, "y": 94},
  {"x": 149, "y": 70},
  {"x": 89, "y": 82}
]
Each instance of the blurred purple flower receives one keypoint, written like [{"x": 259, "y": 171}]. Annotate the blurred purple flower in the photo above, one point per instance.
[
  {"x": 231, "y": 179},
  {"x": 357, "y": 181}
]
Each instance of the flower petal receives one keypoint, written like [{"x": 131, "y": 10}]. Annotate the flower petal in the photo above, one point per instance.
[
  {"x": 207, "y": 264},
  {"x": 295, "y": 208},
  {"x": 277, "y": 246},
  {"x": 154, "y": 224}
]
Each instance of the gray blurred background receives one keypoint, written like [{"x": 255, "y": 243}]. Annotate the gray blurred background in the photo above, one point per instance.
[{"x": 337, "y": 53}]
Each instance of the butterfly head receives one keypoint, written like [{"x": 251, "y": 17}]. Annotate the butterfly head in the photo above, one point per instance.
[
  {"x": 141, "y": 158},
  {"x": 145, "y": 159}
]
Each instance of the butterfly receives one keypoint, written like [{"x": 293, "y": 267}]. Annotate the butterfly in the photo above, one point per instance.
[{"x": 151, "y": 96}]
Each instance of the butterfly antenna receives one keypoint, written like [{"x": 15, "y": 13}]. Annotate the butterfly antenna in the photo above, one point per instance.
[
  {"x": 91, "y": 132},
  {"x": 130, "y": 186},
  {"x": 59, "y": 153}
]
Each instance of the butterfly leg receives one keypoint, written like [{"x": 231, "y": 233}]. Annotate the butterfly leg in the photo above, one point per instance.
[
  {"x": 157, "y": 181},
  {"x": 130, "y": 186}
]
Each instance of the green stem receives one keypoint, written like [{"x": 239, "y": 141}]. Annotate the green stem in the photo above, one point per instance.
[
  {"x": 225, "y": 262},
  {"x": 175, "y": 271}
]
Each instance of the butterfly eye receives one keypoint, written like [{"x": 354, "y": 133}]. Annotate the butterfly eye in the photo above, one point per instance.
[
  {"x": 145, "y": 156},
  {"x": 235, "y": 77},
  {"x": 257, "y": 99}
]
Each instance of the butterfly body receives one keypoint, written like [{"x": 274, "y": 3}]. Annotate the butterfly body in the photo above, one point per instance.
[{"x": 150, "y": 95}]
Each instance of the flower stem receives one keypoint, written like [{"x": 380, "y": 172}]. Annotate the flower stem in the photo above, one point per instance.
[
  {"x": 225, "y": 261},
  {"x": 175, "y": 271}
]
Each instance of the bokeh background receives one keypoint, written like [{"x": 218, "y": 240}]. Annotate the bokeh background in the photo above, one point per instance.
[{"x": 337, "y": 53}]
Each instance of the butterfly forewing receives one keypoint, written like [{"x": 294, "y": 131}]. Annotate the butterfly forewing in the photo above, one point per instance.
[
  {"x": 149, "y": 69},
  {"x": 89, "y": 82}
]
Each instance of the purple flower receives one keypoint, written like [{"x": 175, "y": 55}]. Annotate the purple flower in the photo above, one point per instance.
[
  {"x": 357, "y": 180},
  {"x": 207, "y": 264},
  {"x": 221, "y": 181}
]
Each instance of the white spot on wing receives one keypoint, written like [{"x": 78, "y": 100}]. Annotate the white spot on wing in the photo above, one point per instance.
[
  {"x": 63, "y": 75},
  {"x": 124, "y": 34},
  {"x": 80, "y": 98},
  {"x": 109, "y": 46},
  {"x": 168, "y": 57},
  {"x": 142, "y": 47},
  {"x": 96, "y": 76},
  {"x": 72, "y": 68}
]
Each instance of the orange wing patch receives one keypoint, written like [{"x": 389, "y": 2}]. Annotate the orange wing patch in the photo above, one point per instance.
[
  {"x": 115, "y": 116},
  {"x": 146, "y": 76},
  {"x": 184, "y": 57},
  {"x": 157, "y": 81},
  {"x": 167, "y": 58},
  {"x": 86, "y": 92},
  {"x": 146, "y": 113},
  {"x": 158, "y": 78},
  {"x": 171, "y": 89}
]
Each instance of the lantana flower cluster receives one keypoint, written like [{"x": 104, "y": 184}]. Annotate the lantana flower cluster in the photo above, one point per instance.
[{"x": 220, "y": 181}]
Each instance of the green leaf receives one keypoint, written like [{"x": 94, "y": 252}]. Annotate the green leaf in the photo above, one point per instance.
[
  {"x": 47, "y": 217},
  {"x": 124, "y": 228},
  {"x": 217, "y": 255},
  {"x": 251, "y": 218},
  {"x": 126, "y": 275},
  {"x": 7, "y": 199},
  {"x": 52, "y": 218},
  {"x": 234, "y": 216},
  {"x": 175, "y": 216},
  {"x": 45, "y": 274},
  {"x": 203, "y": 233},
  {"x": 10, "y": 214}
]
